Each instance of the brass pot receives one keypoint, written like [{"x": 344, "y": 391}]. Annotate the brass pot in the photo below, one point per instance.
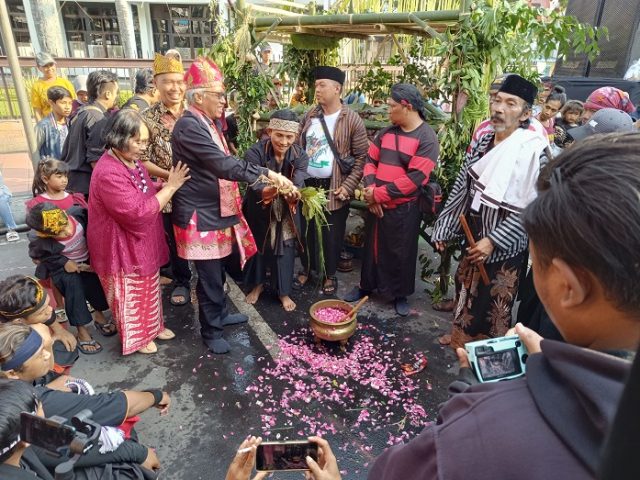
[{"x": 332, "y": 332}]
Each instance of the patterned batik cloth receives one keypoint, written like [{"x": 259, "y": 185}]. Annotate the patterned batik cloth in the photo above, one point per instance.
[
  {"x": 136, "y": 306},
  {"x": 214, "y": 244},
  {"x": 484, "y": 311},
  {"x": 193, "y": 244}
]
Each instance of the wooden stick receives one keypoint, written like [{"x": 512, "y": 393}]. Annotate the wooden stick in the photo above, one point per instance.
[
  {"x": 472, "y": 244},
  {"x": 354, "y": 309}
]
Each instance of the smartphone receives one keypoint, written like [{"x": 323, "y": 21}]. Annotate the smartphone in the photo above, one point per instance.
[
  {"x": 45, "y": 433},
  {"x": 272, "y": 456}
]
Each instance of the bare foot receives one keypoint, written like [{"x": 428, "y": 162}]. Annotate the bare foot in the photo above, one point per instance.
[
  {"x": 253, "y": 295},
  {"x": 288, "y": 304}
]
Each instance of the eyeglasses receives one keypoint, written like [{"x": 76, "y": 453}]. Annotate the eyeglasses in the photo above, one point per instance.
[{"x": 220, "y": 95}]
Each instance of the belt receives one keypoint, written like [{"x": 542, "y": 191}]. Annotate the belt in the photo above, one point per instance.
[{"x": 324, "y": 183}]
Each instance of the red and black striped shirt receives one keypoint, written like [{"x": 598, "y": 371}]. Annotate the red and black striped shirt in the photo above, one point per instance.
[{"x": 399, "y": 162}]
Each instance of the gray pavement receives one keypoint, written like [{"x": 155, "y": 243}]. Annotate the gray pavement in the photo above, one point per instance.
[{"x": 260, "y": 389}]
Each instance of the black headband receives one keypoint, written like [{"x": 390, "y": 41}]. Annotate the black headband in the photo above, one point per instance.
[{"x": 24, "y": 352}]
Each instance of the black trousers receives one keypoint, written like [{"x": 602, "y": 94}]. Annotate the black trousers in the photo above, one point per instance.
[
  {"x": 78, "y": 289},
  {"x": 255, "y": 271},
  {"x": 180, "y": 272},
  {"x": 332, "y": 241},
  {"x": 391, "y": 250},
  {"x": 212, "y": 301}
]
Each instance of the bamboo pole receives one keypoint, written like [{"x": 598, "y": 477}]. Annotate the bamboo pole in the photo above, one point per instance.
[
  {"x": 360, "y": 19},
  {"x": 472, "y": 244}
]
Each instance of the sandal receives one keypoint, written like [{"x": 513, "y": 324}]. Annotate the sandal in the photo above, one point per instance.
[
  {"x": 166, "y": 334},
  {"x": 150, "y": 348},
  {"x": 331, "y": 288},
  {"x": 90, "y": 343},
  {"x": 180, "y": 292},
  {"x": 297, "y": 284},
  {"x": 444, "y": 306},
  {"x": 107, "y": 329}
]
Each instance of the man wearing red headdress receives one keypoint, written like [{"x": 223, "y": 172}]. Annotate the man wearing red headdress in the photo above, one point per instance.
[{"x": 207, "y": 213}]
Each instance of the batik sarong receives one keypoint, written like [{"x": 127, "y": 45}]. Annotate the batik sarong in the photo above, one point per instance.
[{"x": 136, "y": 306}]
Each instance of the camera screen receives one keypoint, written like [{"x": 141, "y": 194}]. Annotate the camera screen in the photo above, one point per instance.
[
  {"x": 285, "y": 456},
  {"x": 45, "y": 433},
  {"x": 499, "y": 364}
]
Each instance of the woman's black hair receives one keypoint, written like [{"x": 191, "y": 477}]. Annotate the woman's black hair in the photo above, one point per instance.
[
  {"x": 557, "y": 93},
  {"x": 46, "y": 167},
  {"x": 58, "y": 93},
  {"x": 587, "y": 213},
  {"x": 285, "y": 114},
  {"x": 17, "y": 293},
  {"x": 16, "y": 397},
  {"x": 123, "y": 126}
]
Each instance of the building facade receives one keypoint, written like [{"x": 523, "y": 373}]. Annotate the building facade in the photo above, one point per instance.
[{"x": 110, "y": 29}]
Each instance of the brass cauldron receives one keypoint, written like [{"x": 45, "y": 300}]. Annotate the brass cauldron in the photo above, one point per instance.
[{"x": 332, "y": 332}]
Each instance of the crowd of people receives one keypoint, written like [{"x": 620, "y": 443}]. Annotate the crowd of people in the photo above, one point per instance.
[{"x": 128, "y": 199}]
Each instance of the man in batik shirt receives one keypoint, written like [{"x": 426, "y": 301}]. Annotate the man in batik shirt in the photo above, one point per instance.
[{"x": 161, "y": 118}]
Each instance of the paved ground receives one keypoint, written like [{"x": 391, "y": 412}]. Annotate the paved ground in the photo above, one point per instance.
[{"x": 275, "y": 382}]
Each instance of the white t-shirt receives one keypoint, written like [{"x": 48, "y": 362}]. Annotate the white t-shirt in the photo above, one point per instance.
[{"x": 320, "y": 154}]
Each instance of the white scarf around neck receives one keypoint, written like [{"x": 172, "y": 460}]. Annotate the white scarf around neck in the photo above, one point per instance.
[{"x": 506, "y": 176}]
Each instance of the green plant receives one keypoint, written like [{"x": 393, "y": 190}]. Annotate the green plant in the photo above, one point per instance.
[{"x": 376, "y": 82}]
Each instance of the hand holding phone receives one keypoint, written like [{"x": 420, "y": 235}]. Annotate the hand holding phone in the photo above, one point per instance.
[
  {"x": 326, "y": 467},
  {"x": 242, "y": 464},
  {"x": 292, "y": 455}
]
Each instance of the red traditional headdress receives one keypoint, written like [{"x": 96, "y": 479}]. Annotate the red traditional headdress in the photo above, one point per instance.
[{"x": 203, "y": 73}]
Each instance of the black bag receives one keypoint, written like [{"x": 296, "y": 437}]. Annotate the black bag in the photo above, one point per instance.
[
  {"x": 346, "y": 164},
  {"x": 430, "y": 199}
]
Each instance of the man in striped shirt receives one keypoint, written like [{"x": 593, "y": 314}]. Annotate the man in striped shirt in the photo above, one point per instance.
[
  {"x": 399, "y": 162},
  {"x": 496, "y": 182}
]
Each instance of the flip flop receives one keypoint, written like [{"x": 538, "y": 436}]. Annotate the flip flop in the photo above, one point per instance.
[
  {"x": 297, "y": 284},
  {"x": 105, "y": 328},
  {"x": 331, "y": 288},
  {"x": 91, "y": 343},
  {"x": 180, "y": 292}
]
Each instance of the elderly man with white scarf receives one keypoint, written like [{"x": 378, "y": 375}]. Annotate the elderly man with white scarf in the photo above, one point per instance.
[{"x": 496, "y": 182}]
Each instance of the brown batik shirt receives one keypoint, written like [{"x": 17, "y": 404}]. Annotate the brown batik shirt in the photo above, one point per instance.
[{"x": 160, "y": 121}]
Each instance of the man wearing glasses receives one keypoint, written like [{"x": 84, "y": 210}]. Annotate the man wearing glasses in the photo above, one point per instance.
[{"x": 207, "y": 212}]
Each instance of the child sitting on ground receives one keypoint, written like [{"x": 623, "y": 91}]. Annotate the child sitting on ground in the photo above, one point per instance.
[
  {"x": 52, "y": 130},
  {"x": 570, "y": 118},
  {"x": 60, "y": 247},
  {"x": 50, "y": 183},
  {"x": 24, "y": 300}
]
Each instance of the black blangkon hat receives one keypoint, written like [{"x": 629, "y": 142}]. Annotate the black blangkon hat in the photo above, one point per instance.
[
  {"x": 329, "y": 73},
  {"x": 520, "y": 87}
]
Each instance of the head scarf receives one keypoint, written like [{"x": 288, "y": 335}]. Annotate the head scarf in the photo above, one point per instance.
[
  {"x": 407, "y": 94},
  {"x": 609, "y": 97}
]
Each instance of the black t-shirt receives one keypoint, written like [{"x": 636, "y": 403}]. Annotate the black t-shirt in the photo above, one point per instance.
[{"x": 109, "y": 409}]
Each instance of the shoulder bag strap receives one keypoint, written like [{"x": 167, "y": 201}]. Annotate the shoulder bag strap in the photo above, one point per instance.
[{"x": 329, "y": 139}]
